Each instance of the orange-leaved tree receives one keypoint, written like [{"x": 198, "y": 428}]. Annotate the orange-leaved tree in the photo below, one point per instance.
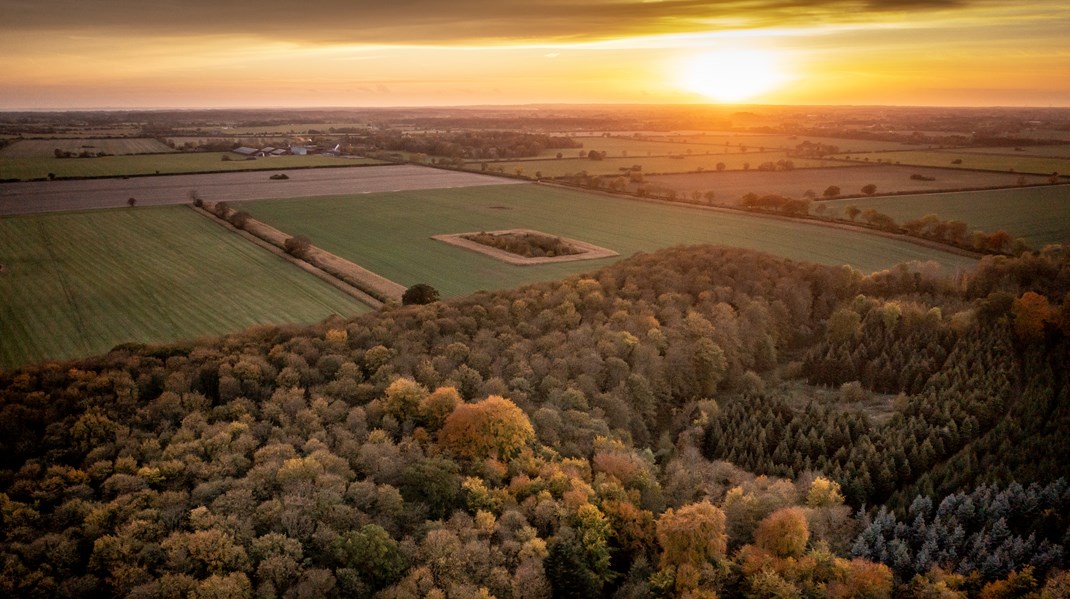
[{"x": 492, "y": 428}]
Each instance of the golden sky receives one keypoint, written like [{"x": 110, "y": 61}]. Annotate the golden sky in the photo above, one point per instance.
[{"x": 283, "y": 53}]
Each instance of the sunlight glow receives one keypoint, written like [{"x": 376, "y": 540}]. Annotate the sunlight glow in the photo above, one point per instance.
[{"x": 732, "y": 75}]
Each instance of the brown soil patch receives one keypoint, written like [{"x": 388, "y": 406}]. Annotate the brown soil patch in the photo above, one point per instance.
[{"x": 586, "y": 251}]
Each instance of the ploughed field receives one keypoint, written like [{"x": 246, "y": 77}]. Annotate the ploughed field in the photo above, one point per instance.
[
  {"x": 390, "y": 233},
  {"x": 53, "y": 196},
  {"x": 79, "y": 283}
]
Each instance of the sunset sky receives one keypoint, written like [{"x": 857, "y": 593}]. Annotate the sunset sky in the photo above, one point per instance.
[{"x": 289, "y": 53}]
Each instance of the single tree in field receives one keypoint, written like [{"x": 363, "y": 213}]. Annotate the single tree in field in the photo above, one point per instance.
[
  {"x": 852, "y": 211},
  {"x": 130, "y": 202},
  {"x": 869, "y": 189},
  {"x": 419, "y": 294},
  {"x": 832, "y": 191},
  {"x": 721, "y": 166}
]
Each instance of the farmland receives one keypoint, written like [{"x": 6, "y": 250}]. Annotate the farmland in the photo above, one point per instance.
[
  {"x": 755, "y": 141},
  {"x": 46, "y": 148},
  {"x": 730, "y": 186},
  {"x": 52, "y": 196},
  {"x": 77, "y": 284},
  {"x": 1040, "y": 215},
  {"x": 113, "y": 166},
  {"x": 390, "y": 233},
  {"x": 970, "y": 160},
  {"x": 684, "y": 163}
]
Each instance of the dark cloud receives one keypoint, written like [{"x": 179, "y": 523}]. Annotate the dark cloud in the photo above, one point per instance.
[{"x": 429, "y": 21}]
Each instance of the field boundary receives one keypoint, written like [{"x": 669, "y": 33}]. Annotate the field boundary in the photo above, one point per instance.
[
  {"x": 588, "y": 251},
  {"x": 265, "y": 238}
]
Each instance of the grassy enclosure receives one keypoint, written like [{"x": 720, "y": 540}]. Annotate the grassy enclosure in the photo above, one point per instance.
[
  {"x": 1040, "y": 215},
  {"x": 79, "y": 283},
  {"x": 389, "y": 233},
  {"x": 115, "y": 166}
]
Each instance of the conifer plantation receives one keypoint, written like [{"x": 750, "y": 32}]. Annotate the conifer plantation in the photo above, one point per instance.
[{"x": 696, "y": 422}]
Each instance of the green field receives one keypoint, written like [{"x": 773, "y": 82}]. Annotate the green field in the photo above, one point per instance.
[
  {"x": 77, "y": 284},
  {"x": 1055, "y": 151},
  {"x": 731, "y": 186},
  {"x": 651, "y": 164},
  {"x": 169, "y": 164},
  {"x": 389, "y": 233},
  {"x": 46, "y": 148},
  {"x": 970, "y": 160},
  {"x": 1040, "y": 215}
]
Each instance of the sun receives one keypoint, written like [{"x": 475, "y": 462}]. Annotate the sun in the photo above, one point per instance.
[{"x": 731, "y": 76}]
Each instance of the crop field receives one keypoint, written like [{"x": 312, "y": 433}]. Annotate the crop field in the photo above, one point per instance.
[
  {"x": 1040, "y": 215},
  {"x": 650, "y": 164},
  {"x": 114, "y": 166},
  {"x": 46, "y": 148},
  {"x": 731, "y": 186},
  {"x": 970, "y": 160},
  {"x": 77, "y": 284},
  {"x": 390, "y": 233}
]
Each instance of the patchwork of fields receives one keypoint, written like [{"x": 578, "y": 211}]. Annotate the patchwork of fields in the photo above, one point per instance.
[
  {"x": 390, "y": 234},
  {"x": 79, "y": 283},
  {"x": 1040, "y": 215}
]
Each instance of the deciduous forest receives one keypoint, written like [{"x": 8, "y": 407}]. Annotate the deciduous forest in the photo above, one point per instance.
[{"x": 698, "y": 422}]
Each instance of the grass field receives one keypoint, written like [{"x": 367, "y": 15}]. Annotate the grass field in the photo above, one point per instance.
[
  {"x": 731, "y": 186},
  {"x": 114, "y": 166},
  {"x": 390, "y": 233},
  {"x": 650, "y": 164},
  {"x": 970, "y": 160},
  {"x": 46, "y": 148},
  {"x": 77, "y": 284},
  {"x": 1040, "y": 215}
]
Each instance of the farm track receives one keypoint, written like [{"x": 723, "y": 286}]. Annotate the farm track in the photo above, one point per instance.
[{"x": 60, "y": 196}]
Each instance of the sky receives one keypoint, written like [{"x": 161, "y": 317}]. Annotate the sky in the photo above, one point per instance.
[{"x": 72, "y": 54}]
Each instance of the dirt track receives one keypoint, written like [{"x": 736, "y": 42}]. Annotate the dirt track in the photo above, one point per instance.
[{"x": 59, "y": 196}]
